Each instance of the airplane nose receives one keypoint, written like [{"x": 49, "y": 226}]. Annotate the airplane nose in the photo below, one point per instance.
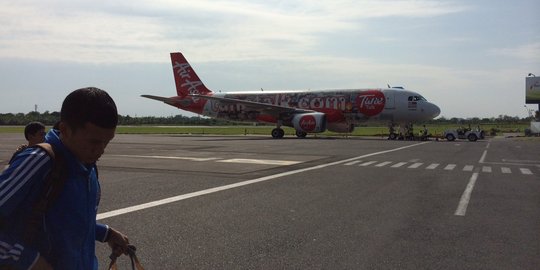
[{"x": 435, "y": 110}]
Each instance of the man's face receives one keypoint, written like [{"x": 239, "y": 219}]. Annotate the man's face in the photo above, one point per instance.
[
  {"x": 37, "y": 137},
  {"x": 87, "y": 143}
]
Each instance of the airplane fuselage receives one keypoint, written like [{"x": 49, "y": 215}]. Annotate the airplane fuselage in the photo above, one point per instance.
[{"x": 348, "y": 106}]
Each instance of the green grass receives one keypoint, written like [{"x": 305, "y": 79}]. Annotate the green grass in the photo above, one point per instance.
[
  {"x": 381, "y": 130},
  {"x": 12, "y": 129}
]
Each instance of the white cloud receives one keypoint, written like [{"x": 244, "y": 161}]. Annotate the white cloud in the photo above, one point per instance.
[
  {"x": 141, "y": 31},
  {"x": 528, "y": 53}
]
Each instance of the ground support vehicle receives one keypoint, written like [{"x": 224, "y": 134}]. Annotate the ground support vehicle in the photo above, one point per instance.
[{"x": 471, "y": 135}]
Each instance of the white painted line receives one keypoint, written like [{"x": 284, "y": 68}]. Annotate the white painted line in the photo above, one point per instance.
[
  {"x": 508, "y": 163},
  {"x": 239, "y": 184},
  {"x": 464, "y": 201},
  {"x": 367, "y": 163},
  {"x": 506, "y": 170},
  {"x": 450, "y": 167},
  {"x": 525, "y": 171},
  {"x": 433, "y": 166},
  {"x": 399, "y": 164},
  {"x": 486, "y": 169},
  {"x": 352, "y": 163},
  {"x": 415, "y": 165},
  {"x": 260, "y": 161},
  {"x": 521, "y": 161},
  {"x": 166, "y": 157},
  {"x": 483, "y": 157},
  {"x": 382, "y": 164},
  {"x": 468, "y": 168}
]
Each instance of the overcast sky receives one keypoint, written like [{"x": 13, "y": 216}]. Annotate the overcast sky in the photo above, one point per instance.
[{"x": 469, "y": 57}]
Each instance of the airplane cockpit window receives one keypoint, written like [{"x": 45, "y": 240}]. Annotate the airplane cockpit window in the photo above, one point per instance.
[{"x": 416, "y": 98}]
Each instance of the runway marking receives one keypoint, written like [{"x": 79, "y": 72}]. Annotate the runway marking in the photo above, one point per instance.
[
  {"x": 134, "y": 208},
  {"x": 352, "y": 163},
  {"x": 167, "y": 157},
  {"x": 382, "y": 164},
  {"x": 415, "y": 165},
  {"x": 233, "y": 160},
  {"x": 508, "y": 163},
  {"x": 433, "y": 166},
  {"x": 367, "y": 163},
  {"x": 259, "y": 161},
  {"x": 450, "y": 167},
  {"x": 483, "y": 157},
  {"x": 521, "y": 161},
  {"x": 399, "y": 164},
  {"x": 464, "y": 201}
]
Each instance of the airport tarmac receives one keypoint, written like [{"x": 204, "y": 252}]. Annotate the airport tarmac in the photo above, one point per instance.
[{"x": 243, "y": 202}]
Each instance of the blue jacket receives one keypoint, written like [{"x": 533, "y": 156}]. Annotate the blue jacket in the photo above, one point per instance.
[{"x": 68, "y": 230}]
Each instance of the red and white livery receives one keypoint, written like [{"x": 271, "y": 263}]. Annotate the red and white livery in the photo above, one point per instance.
[{"x": 307, "y": 111}]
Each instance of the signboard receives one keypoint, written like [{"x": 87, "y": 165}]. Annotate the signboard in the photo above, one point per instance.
[{"x": 532, "y": 90}]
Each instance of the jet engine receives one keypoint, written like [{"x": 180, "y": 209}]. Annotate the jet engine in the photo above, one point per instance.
[
  {"x": 310, "y": 122},
  {"x": 341, "y": 127}
]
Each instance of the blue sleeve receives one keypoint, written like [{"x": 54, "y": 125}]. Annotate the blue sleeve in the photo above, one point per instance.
[
  {"x": 28, "y": 169},
  {"x": 14, "y": 255},
  {"x": 16, "y": 184},
  {"x": 102, "y": 231}
]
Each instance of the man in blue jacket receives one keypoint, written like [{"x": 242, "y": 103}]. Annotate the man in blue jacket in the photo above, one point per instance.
[{"x": 67, "y": 231}]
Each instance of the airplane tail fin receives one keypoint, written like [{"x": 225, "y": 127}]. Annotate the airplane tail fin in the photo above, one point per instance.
[{"x": 187, "y": 81}]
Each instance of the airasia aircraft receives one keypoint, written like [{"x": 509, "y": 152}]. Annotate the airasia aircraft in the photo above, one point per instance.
[{"x": 307, "y": 111}]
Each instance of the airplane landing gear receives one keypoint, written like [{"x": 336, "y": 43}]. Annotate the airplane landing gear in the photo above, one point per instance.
[
  {"x": 301, "y": 134},
  {"x": 278, "y": 133},
  {"x": 392, "y": 135}
]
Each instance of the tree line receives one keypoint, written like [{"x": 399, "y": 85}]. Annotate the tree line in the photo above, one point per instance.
[{"x": 50, "y": 118}]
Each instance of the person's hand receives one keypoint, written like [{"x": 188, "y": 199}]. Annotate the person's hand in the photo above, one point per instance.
[
  {"x": 41, "y": 264},
  {"x": 118, "y": 242}
]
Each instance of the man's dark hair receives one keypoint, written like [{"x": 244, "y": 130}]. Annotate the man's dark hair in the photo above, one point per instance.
[
  {"x": 32, "y": 128},
  {"x": 89, "y": 105}
]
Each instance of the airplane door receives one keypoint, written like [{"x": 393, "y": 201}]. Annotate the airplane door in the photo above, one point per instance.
[{"x": 390, "y": 102}]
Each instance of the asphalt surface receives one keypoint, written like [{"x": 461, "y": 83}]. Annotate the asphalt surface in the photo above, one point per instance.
[{"x": 246, "y": 202}]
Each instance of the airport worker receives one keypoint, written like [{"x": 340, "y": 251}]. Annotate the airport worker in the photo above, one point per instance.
[
  {"x": 34, "y": 133},
  {"x": 64, "y": 234}
]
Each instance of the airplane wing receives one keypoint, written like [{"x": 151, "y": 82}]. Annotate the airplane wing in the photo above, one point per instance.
[
  {"x": 170, "y": 101},
  {"x": 266, "y": 108}
]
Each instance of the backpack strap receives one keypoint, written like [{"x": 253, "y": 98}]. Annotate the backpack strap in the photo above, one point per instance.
[{"x": 53, "y": 186}]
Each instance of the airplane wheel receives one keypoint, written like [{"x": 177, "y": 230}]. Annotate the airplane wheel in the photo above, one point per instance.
[
  {"x": 301, "y": 134},
  {"x": 278, "y": 133}
]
